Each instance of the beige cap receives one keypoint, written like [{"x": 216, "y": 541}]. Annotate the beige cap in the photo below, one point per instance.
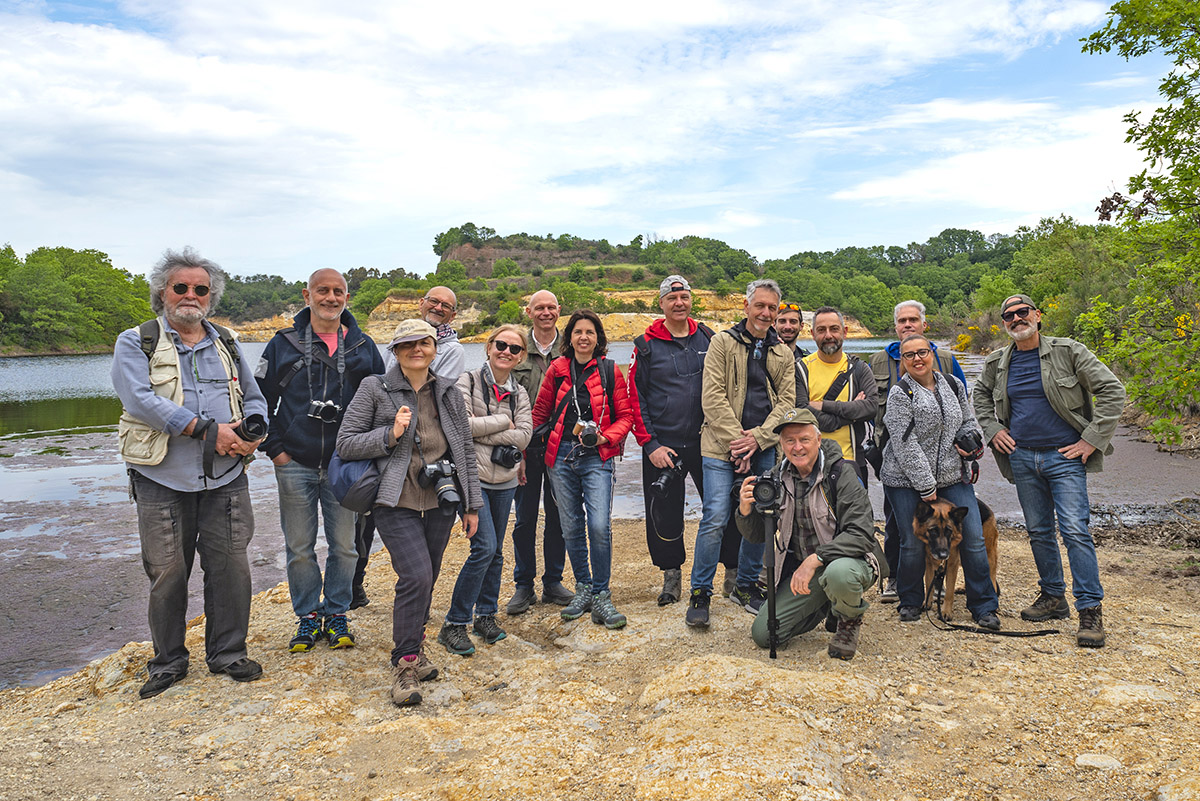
[
  {"x": 411, "y": 331},
  {"x": 796, "y": 417}
]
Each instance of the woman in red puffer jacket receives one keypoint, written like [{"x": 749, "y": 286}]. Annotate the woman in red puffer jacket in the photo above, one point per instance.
[{"x": 588, "y": 432}]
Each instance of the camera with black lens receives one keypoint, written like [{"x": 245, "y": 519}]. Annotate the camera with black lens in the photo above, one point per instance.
[
  {"x": 588, "y": 432},
  {"x": 768, "y": 493},
  {"x": 325, "y": 411},
  {"x": 506, "y": 456},
  {"x": 969, "y": 441},
  {"x": 252, "y": 428},
  {"x": 666, "y": 477},
  {"x": 440, "y": 476}
]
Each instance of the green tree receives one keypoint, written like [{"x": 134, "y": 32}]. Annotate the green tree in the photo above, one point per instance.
[
  {"x": 371, "y": 293},
  {"x": 451, "y": 272},
  {"x": 505, "y": 267},
  {"x": 509, "y": 312}
]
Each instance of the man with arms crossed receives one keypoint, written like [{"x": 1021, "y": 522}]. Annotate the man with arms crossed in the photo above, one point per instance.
[
  {"x": 1049, "y": 409},
  {"x": 748, "y": 386},
  {"x": 308, "y": 374},
  {"x": 542, "y": 345},
  {"x": 665, "y": 382},
  {"x": 192, "y": 412}
]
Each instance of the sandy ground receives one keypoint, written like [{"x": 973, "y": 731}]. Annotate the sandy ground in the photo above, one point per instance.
[{"x": 657, "y": 710}]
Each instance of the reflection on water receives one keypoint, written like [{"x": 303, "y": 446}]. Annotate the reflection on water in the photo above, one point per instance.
[{"x": 57, "y": 414}]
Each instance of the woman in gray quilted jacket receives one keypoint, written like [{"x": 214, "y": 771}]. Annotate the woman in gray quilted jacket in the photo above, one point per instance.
[
  {"x": 501, "y": 424},
  {"x": 927, "y": 413},
  {"x": 415, "y": 424}
]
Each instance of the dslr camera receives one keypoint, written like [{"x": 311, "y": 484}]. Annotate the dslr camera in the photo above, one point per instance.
[
  {"x": 440, "y": 476},
  {"x": 251, "y": 428},
  {"x": 666, "y": 478},
  {"x": 506, "y": 455},
  {"x": 970, "y": 441},
  {"x": 768, "y": 492},
  {"x": 325, "y": 411},
  {"x": 588, "y": 432}
]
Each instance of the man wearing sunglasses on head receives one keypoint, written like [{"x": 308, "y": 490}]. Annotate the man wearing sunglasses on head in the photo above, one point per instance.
[
  {"x": 788, "y": 325},
  {"x": 192, "y": 414},
  {"x": 1049, "y": 409}
]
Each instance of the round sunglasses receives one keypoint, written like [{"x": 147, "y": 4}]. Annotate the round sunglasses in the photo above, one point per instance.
[{"x": 182, "y": 289}]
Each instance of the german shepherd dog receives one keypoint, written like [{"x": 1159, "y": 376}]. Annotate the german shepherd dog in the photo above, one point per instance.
[{"x": 939, "y": 526}]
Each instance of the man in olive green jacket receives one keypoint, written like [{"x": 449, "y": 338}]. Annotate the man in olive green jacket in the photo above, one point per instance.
[
  {"x": 749, "y": 385},
  {"x": 1049, "y": 409}
]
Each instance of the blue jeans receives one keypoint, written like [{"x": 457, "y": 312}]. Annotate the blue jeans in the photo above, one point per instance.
[
  {"x": 718, "y": 505},
  {"x": 981, "y": 595},
  {"x": 1050, "y": 484},
  {"x": 582, "y": 481},
  {"x": 301, "y": 490},
  {"x": 477, "y": 590}
]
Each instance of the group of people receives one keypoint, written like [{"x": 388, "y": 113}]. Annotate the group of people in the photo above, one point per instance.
[{"x": 540, "y": 424}]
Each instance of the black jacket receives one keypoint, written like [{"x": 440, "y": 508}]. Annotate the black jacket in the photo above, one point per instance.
[
  {"x": 665, "y": 379},
  {"x": 290, "y": 386}
]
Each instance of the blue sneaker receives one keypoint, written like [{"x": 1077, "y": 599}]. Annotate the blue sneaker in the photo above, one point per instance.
[
  {"x": 307, "y": 632},
  {"x": 337, "y": 632}
]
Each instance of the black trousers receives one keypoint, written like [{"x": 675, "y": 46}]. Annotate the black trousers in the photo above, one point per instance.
[
  {"x": 664, "y": 513},
  {"x": 554, "y": 550}
]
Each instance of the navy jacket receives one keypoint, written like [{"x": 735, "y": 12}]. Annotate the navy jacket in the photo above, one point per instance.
[
  {"x": 665, "y": 378},
  {"x": 290, "y": 386}
]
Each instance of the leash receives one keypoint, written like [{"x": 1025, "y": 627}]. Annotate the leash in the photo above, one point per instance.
[{"x": 940, "y": 623}]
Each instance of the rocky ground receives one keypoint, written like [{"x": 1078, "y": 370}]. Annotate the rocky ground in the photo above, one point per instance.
[{"x": 655, "y": 711}]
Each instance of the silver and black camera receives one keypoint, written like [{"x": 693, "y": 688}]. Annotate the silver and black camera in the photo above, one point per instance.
[
  {"x": 969, "y": 441},
  {"x": 588, "y": 432},
  {"x": 325, "y": 411},
  {"x": 506, "y": 455},
  {"x": 768, "y": 492},
  {"x": 440, "y": 476}
]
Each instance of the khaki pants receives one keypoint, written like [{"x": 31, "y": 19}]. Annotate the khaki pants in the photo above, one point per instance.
[{"x": 839, "y": 584}]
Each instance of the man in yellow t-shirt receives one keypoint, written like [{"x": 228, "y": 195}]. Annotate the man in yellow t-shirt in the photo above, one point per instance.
[{"x": 838, "y": 388}]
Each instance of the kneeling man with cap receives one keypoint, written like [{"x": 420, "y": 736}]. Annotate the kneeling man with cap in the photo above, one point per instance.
[{"x": 826, "y": 554}]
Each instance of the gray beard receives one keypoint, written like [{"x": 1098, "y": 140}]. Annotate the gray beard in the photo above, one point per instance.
[
  {"x": 1022, "y": 335},
  {"x": 831, "y": 348},
  {"x": 185, "y": 318}
]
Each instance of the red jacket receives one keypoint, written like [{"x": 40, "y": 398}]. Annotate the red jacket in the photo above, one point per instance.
[{"x": 614, "y": 431}]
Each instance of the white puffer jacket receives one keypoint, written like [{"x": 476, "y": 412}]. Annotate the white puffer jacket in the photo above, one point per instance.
[{"x": 489, "y": 419}]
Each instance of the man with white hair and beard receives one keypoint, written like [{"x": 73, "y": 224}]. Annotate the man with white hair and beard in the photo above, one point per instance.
[{"x": 1049, "y": 409}]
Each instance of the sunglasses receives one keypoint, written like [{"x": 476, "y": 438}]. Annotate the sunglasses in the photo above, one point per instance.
[
  {"x": 758, "y": 349},
  {"x": 1022, "y": 312},
  {"x": 502, "y": 346},
  {"x": 182, "y": 289},
  {"x": 789, "y": 306},
  {"x": 923, "y": 353}
]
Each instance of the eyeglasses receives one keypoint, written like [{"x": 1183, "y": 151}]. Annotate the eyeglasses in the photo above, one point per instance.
[
  {"x": 1022, "y": 312},
  {"x": 789, "y": 306},
  {"x": 502, "y": 346},
  {"x": 923, "y": 353},
  {"x": 440, "y": 304},
  {"x": 182, "y": 289}
]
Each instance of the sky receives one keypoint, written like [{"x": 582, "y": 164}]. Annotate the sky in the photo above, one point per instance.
[{"x": 282, "y": 137}]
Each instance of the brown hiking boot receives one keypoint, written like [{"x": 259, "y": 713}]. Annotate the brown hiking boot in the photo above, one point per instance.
[
  {"x": 426, "y": 670},
  {"x": 845, "y": 643},
  {"x": 1047, "y": 607},
  {"x": 1091, "y": 628},
  {"x": 406, "y": 686}
]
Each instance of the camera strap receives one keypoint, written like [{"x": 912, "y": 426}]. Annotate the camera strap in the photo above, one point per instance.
[{"x": 308, "y": 344}]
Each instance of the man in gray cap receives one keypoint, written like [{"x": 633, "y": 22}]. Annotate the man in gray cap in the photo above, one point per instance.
[
  {"x": 665, "y": 381},
  {"x": 1049, "y": 409},
  {"x": 821, "y": 563}
]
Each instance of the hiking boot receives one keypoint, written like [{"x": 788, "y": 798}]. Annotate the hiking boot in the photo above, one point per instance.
[
  {"x": 406, "y": 687},
  {"x": 910, "y": 614},
  {"x": 426, "y": 670},
  {"x": 1047, "y": 607},
  {"x": 242, "y": 670},
  {"x": 487, "y": 628},
  {"x": 556, "y": 593},
  {"x": 337, "y": 632},
  {"x": 845, "y": 643},
  {"x": 672, "y": 587},
  {"x": 831, "y": 622},
  {"x": 159, "y": 683},
  {"x": 580, "y": 604},
  {"x": 730, "y": 583},
  {"x": 989, "y": 621},
  {"x": 359, "y": 597},
  {"x": 1091, "y": 628},
  {"x": 522, "y": 599},
  {"x": 697, "y": 611},
  {"x": 604, "y": 612},
  {"x": 308, "y": 631},
  {"x": 454, "y": 637},
  {"x": 749, "y": 598},
  {"x": 890, "y": 594}
]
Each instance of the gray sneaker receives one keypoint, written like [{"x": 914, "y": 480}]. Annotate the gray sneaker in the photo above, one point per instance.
[
  {"x": 604, "y": 612},
  {"x": 487, "y": 628},
  {"x": 522, "y": 599},
  {"x": 672, "y": 587},
  {"x": 890, "y": 594},
  {"x": 1047, "y": 607},
  {"x": 454, "y": 636},
  {"x": 580, "y": 604}
]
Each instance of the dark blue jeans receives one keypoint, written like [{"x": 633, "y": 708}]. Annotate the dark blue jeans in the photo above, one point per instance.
[
  {"x": 583, "y": 481},
  {"x": 1050, "y": 485},
  {"x": 981, "y": 595},
  {"x": 477, "y": 590},
  {"x": 719, "y": 481}
]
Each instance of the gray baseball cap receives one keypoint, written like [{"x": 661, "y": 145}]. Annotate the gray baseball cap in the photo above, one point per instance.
[{"x": 673, "y": 283}]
